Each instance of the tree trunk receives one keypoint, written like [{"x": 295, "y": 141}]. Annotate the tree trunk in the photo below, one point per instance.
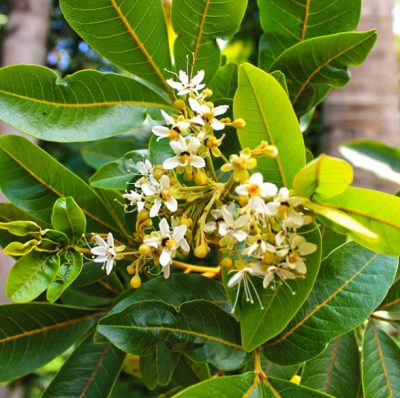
[
  {"x": 369, "y": 106},
  {"x": 25, "y": 40}
]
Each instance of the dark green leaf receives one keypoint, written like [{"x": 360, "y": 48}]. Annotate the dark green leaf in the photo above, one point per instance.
[
  {"x": 263, "y": 104},
  {"x": 90, "y": 372},
  {"x": 225, "y": 82},
  {"x": 281, "y": 79},
  {"x": 158, "y": 367},
  {"x": 351, "y": 283},
  {"x": 331, "y": 240},
  {"x": 198, "y": 24},
  {"x": 188, "y": 372},
  {"x": 392, "y": 299},
  {"x": 159, "y": 150},
  {"x": 23, "y": 164},
  {"x": 280, "y": 305},
  {"x": 380, "y": 364},
  {"x": 314, "y": 66},
  {"x": 115, "y": 175},
  {"x": 375, "y": 156},
  {"x": 287, "y": 23},
  {"x": 86, "y": 106},
  {"x": 68, "y": 217},
  {"x": 337, "y": 370},
  {"x": 132, "y": 35},
  {"x": 69, "y": 271},
  {"x": 201, "y": 329},
  {"x": 31, "y": 275},
  {"x": 33, "y": 334}
]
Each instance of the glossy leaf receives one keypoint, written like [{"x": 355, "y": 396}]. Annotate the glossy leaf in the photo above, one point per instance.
[
  {"x": 392, "y": 299},
  {"x": 188, "y": 372},
  {"x": 33, "y": 334},
  {"x": 85, "y": 106},
  {"x": 23, "y": 164},
  {"x": 248, "y": 385},
  {"x": 263, "y": 104},
  {"x": 70, "y": 268},
  {"x": 337, "y": 370},
  {"x": 380, "y": 364},
  {"x": 287, "y": 23},
  {"x": 376, "y": 211},
  {"x": 375, "y": 156},
  {"x": 21, "y": 249},
  {"x": 31, "y": 275},
  {"x": 21, "y": 228},
  {"x": 132, "y": 35},
  {"x": 98, "y": 153},
  {"x": 331, "y": 240},
  {"x": 115, "y": 175},
  {"x": 68, "y": 217},
  {"x": 198, "y": 24},
  {"x": 91, "y": 372},
  {"x": 314, "y": 66},
  {"x": 201, "y": 329},
  {"x": 323, "y": 177},
  {"x": 225, "y": 82},
  {"x": 279, "y": 305},
  {"x": 158, "y": 367},
  {"x": 345, "y": 293}
]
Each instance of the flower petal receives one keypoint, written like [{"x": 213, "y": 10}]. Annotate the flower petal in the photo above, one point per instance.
[
  {"x": 164, "y": 227},
  {"x": 171, "y": 163},
  {"x": 179, "y": 233},
  {"x": 197, "y": 162},
  {"x": 155, "y": 209},
  {"x": 165, "y": 258}
]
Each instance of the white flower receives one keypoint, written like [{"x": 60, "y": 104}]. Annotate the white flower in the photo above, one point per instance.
[
  {"x": 186, "y": 85},
  {"x": 168, "y": 241},
  {"x": 145, "y": 169},
  {"x": 283, "y": 274},
  {"x": 257, "y": 189},
  {"x": 207, "y": 114},
  {"x": 231, "y": 226},
  {"x": 186, "y": 154},
  {"x": 258, "y": 248},
  {"x": 106, "y": 252},
  {"x": 164, "y": 196},
  {"x": 135, "y": 200},
  {"x": 173, "y": 132}
]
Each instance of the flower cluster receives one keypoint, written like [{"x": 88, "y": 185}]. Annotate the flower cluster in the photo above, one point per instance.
[{"x": 254, "y": 224}]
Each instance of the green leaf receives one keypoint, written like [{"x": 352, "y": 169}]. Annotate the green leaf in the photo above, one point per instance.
[
  {"x": 204, "y": 331},
  {"x": 188, "y": 372},
  {"x": 158, "y": 367},
  {"x": 23, "y": 164},
  {"x": 279, "y": 305},
  {"x": 132, "y": 35},
  {"x": 281, "y": 79},
  {"x": 275, "y": 370},
  {"x": 248, "y": 385},
  {"x": 331, "y": 240},
  {"x": 376, "y": 211},
  {"x": 392, "y": 299},
  {"x": 225, "y": 82},
  {"x": 198, "y": 24},
  {"x": 314, "y": 66},
  {"x": 98, "y": 153},
  {"x": 21, "y": 228},
  {"x": 115, "y": 175},
  {"x": 31, "y": 275},
  {"x": 69, "y": 271},
  {"x": 91, "y": 372},
  {"x": 337, "y": 370},
  {"x": 345, "y": 293},
  {"x": 323, "y": 177},
  {"x": 85, "y": 106},
  {"x": 375, "y": 156},
  {"x": 380, "y": 364},
  {"x": 159, "y": 150},
  {"x": 21, "y": 249},
  {"x": 263, "y": 104},
  {"x": 68, "y": 217},
  {"x": 33, "y": 334},
  {"x": 287, "y": 23}
]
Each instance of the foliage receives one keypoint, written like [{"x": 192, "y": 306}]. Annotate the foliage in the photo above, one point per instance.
[{"x": 219, "y": 259}]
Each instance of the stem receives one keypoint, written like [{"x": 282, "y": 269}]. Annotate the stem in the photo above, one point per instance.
[
  {"x": 210, "y": 165},
  {"x": 196, "y": 268},
  {"x": 257, "y": 366}
]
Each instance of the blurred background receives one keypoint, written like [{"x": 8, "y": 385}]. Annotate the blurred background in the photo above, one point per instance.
[{"x": 35, "y": 32}]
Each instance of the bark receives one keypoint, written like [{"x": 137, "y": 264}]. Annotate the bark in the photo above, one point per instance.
[
  {"x": 369, "y": 106},
  {"x": 25, "y": 40}
]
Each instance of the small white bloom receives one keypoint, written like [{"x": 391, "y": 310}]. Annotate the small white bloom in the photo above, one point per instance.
[
  {"x": 257, "y": 190},
  {"x": 145, "y": 170},
  {"x": 258, "y": 248},
  {"x": 176, "y": 127},
  {"x": 163, "y": 196},
  {"x": 207, "y": 114},
  {"x": 186, "y": 85},
  {"x": 106, "y": 252},
  {"x": 233, "y": 227},
  {"x": 186, "y": 154},
  {"x": 168, "y": 241},
  {"x": 135, "y": 200}
]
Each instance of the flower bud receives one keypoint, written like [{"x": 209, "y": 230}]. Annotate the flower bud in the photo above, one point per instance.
[
  {"x": 180, "y": 105},
  {"x": 148, "y": 223},
  {"x": 142, "y": 216},
  {"x": 202, "y": 250},
  {"x": 158, "y": 173},
  {"x": 131, "y": 269},
  {"x": 239, "y": 123},
  {"x": 188, "y": 176},
  {"x": 136, "y": 282},
  {"x": 200, "y": 177},
  {"x": 227, "y": 262},
  {"x": 243, "y": 200},
  {"x": 186, "y": 221},
  {"x": 145, "y": 250},
  {"x": 207, "y": 93}
]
